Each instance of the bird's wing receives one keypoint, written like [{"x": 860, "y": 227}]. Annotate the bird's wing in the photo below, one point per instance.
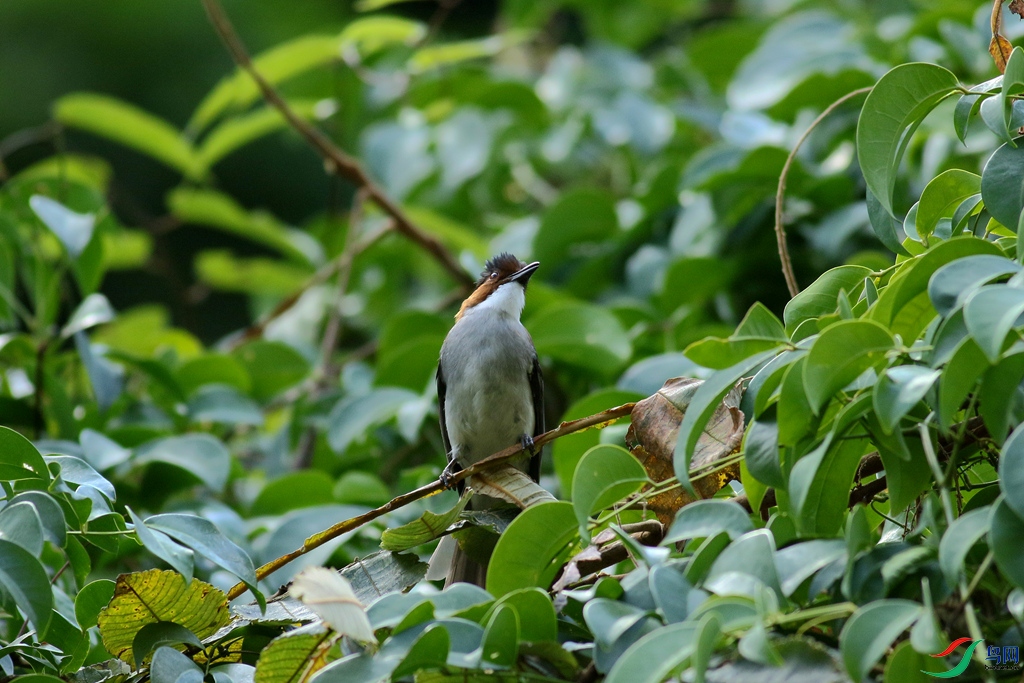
[
  {"x": 537, "y": 391},
  {"x": 442, "y": 389}
]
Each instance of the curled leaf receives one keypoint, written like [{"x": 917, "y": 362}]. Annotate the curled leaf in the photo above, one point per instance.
[{"x": 330, "y": 595}]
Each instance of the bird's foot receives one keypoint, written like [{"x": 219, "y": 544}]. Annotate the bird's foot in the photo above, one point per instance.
[
  {"x": 449, "y": 472},
  {"x": 527, "y": 443}
]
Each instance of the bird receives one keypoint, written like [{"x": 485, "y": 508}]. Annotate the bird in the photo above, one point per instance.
[{"x": 490, "y": 394}]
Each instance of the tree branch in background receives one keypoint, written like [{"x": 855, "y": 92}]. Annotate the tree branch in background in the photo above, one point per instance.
[
  {"x": 601, "y": 419},
  {"x": 780, "y": 228},
  {"x": 335, "y": 160}
]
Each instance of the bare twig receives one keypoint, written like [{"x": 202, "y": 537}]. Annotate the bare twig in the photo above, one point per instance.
[
  {"x": 780, "y": 229},
  {"x": 316, "y": 540},
  {"x": 335, "y": 160}
]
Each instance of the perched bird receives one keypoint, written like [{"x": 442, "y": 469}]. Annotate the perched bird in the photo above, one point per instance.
[{"x": 490, "y": 393}]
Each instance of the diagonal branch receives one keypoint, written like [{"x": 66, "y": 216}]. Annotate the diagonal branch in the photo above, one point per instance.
[
  {"x": 316, "y": 540},
  {"x": 335, "y": 160}
]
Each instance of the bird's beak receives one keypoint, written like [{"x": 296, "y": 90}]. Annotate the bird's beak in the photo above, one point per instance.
[{"x": 522, "y": 276}]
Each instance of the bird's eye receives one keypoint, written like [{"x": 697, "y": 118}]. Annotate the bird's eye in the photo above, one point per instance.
[{"x": 494, "y": 276}]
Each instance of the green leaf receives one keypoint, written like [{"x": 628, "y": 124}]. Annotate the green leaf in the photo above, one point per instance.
[
  {"x": 581, "y": 334},
  {"x": 759, "y": 331},
  {"x": 567, "y": 451},
  {"x": 655, "y": 656},
  {"x": 898, "y": 390},
  {"x": 579, "y": 217},
  {"x": 426, "y": 528},
  {"x": 761, "y": 450},
  {"x": 124, "y": 123},
  {"x": 1005, "y": 536},
  {"x": 199, "y": 454},
  {"x": 212, "y": 368},
  {"x": 219, "y": 211},
  {"x": 798, "y": 562},
  {"x": 606, "y": 474},
  {"x": 891, "y": 113},
  {"x": 206, "y": 539},
  {"x": 533, "y": 548},
  {"x": 501, "y": 638},
  {"x": 817, "y": 477},
  {"x": 20, "y": 524},
  {"x": 223, "y": 405},
  {"x": 430, "y": 651},
  {"x": 959, "y": 377},
  {"x": 288, "y": 656},
  {"x": 839, "y": 356},
  {"x": 273, "y": 366},
  {"x": 702, "y": 406},
  {"x": 240, "y": 130},
  {"x": 24, "y": 579},
  {"x": 353, "y": 416},
  {"x": 820, "y": 298},
  {"x": 870, "y": 632},
  {"x": 999, "y": 397},
  {"x": 959, "y": 538},
  {"x": 942, "y": 196},
  {"x": 74, "y": 230},
  {"x": 278, "y": 496},
  {"x": 51, "y": 515},
  {"x": 537, "y": 620},
  {"x": 1011, "y": 471},
  {"x": 163, "y": 547},
  {"x": 693, "y": 281},
  {"x": 258, "y": 276},
  {"x": 748, "y": 557},
  {"x": 170, "y": 666},
  {"x": 706, "y": 518},
  {"x": 276, "y": 65},
  {"x": 444, "y": 54},
  {"x": 93, "y": 597},
  {"x": 94, "y": 310},
  {"x": 1013, "y": 84},
  {"x": 1002, "y": 185},
  {"x": 951, "y": 284},
  {"x": 609, "y": 619},
  {"x": 990, "y": 313},
  {"x": 160, "y": 634}
]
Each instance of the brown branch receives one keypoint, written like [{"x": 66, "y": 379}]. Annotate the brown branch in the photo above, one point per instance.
[
  {"x": 316, "y": 540},
  {"x": 780, "y": 193},
  {"x": 335, "y": 160}
]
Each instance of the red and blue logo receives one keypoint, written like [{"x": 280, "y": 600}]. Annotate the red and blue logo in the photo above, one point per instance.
[
  {"x": 1002, "y": 658},
  {"x": 964, "y": 661}
]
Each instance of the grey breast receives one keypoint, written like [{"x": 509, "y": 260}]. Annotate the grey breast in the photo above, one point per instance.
[{"x": 489, "y": 406}]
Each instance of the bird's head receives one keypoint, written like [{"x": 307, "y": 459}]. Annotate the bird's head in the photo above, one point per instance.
[{"x": 502, "y": 284}]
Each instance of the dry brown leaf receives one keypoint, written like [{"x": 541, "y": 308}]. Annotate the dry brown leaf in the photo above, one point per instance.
[
  {"x": 1000, "y": 49},
  {"x": 1017, "y": 7},
  {"x": 652, "y": 439}
]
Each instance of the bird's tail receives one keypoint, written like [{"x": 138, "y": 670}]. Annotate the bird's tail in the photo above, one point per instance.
[{"x": 451, "y": 563}]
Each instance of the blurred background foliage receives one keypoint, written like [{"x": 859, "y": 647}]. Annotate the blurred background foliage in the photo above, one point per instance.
[{"x": 632, "y": 148}]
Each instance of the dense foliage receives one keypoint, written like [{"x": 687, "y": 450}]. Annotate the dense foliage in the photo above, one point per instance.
[{"x": 861, "y": 451}]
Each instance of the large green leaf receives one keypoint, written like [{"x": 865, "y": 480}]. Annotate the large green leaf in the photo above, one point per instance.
[
  {"x": 891, "y": 113},
  {"x": 1002, "y": 187},
  {"x": 1011, "y": 471},
  {"x": 201, "y": 455},
  {"x": 840, "y": 355},
  {"x": 820, "y": 298},
  {"x": 567, "y": 451},
  {"x": 871, "y": 630},
  {"x": 959, "y": 538},
  {"x": 533, "y": 548},
  {"x": 816, "y": 481},
  {"x": 352, "y": 417},
  {"x": 122, "y": 122},
  {"x": 581, "y": 334},
  {"x": 706, "y": 518},
  {"x": 206, "y": 539},
  {"x": 951, "y": 284},
  {"x": 604, "y": 475},
  {"x": 942, "y": 196},
  {"x": 19, "y": 459},
  {"x": 898, "y": 390},
  {"x": 990, "y": 313},
  {"x": 652, "y": 658},
  {"x": 24, "y": 579},
  {"x": 1005, "y": 536}
]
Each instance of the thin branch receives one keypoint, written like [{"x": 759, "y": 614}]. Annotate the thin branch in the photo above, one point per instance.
[
  {"x": 335, "y": 160},
  {"x": 780, "y": 229},
  {"x": 601, "y": 419},
  {"x": 342, "y": 263}
]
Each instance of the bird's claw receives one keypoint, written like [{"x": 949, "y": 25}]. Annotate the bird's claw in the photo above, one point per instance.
[
  {"x": 448, "y": 473},
  {"x": 527, "y": 443}
]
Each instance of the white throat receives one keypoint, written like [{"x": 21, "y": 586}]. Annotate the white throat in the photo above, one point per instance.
[{"x": 508, "y": 299}]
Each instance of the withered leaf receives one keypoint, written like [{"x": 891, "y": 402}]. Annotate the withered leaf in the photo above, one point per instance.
[
  {"x": 510, "y": 484},
  {"x": 655, "y": 428},
  {"x": 1000, "y": 49},
  {"x": 1017, "y": 7}
]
